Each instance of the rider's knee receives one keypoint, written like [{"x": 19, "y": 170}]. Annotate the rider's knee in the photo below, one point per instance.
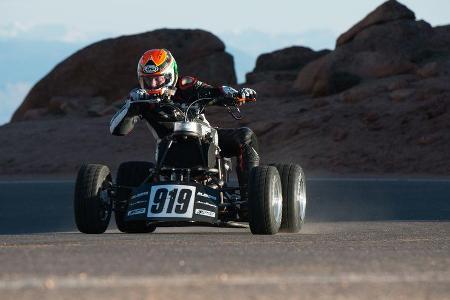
[{"x": 245, "y": 136}]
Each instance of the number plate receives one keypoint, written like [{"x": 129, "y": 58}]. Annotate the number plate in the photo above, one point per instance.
[{"x": 171, "y": 201}]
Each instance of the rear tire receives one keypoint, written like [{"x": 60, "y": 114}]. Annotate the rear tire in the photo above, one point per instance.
[
  {"x": 294, "y": 197},
  {"x": 265, "y": 200},
  {"x": 92, "y": 205},
  {"x": 132, "y": 173}
]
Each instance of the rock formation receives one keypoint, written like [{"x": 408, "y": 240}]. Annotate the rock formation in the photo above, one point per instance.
[
  {"x": 388, "y": 42},
  {"x": 102, "y": 73}
]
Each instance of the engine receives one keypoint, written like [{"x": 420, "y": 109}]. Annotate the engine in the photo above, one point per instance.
[{"x": 192, "y": 145}]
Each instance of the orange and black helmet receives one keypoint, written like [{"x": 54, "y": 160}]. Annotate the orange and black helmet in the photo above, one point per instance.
[{"x": 157, "y": 71}]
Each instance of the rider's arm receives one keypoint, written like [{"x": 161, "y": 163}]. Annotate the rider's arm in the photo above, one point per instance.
[
  {"x": 221, "y": 96},
  {"x": 123, "y": 121},
  {"x": 192, "y": 89}
]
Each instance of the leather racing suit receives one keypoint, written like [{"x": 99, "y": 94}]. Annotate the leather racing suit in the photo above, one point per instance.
[{"x": 233, "y": 142}]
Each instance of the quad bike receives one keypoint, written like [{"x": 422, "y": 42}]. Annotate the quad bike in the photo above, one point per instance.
[{"x": 189, "y": 185}]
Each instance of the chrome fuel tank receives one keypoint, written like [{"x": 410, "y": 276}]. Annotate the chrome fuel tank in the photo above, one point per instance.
[
  {"x": 196, "y": 129},
  {"x": 188, "y": 128}
]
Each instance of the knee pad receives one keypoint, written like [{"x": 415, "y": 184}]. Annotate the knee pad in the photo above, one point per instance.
[{"x": 245, "y": 136}]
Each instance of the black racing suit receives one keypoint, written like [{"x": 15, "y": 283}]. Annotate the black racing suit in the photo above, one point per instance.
[{"x": 233, "y": 142}]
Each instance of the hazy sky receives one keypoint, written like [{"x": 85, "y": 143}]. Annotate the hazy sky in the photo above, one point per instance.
[
  {"x": 86, "y": 17},
  {"x": 248, "y": 28}
]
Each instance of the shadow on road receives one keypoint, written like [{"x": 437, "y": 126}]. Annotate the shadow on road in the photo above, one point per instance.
[{"x": 39, "y": 207}]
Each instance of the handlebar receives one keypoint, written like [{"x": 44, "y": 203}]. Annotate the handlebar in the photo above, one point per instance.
[
  {"x": 241, "y": 101},
  {"x": 152, "y": 101},
  {"x": 185, "y": 114}
]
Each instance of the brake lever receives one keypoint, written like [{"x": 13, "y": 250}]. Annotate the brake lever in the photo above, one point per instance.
[{"x": 235, "y": 112}]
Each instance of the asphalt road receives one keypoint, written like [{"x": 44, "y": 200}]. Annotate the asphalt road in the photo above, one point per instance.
[{"x": 363, "y": 241}]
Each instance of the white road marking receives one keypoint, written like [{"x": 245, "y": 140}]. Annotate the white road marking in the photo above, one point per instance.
[{"x": 84, "y": 281}]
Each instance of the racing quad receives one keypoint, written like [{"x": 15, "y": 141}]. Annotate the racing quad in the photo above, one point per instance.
[{"x": 189, "y": 186}]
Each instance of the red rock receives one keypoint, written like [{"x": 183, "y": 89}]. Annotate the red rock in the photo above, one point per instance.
[
  {"x": 365, "y": 91},
  {"x": 389, "y": 42},
  {"x": 399, "y": 83},
  {"x": 108, "y": 68},
  {"x": 320, "y": 103},
  {"x": 402, "y": 94},
  {"x": 371, "y": 117},
  {"x": 339, "y": 135},
  {"x": 312, "y": 75},
  {"x": 35, "y": 114},
  {"x": 292, "y": 58},
  {"x": 387, "y": 12},
  {"x": 375, "y": 126},
  {"x": 429, "y": 70},
  {"x": 368, "y": 65},
  {"x": 428, "y": 139},
  {"x": 271, "y": 76},
  {"x": 434, "y": 85},
  {"x": 280, "y": 68}
]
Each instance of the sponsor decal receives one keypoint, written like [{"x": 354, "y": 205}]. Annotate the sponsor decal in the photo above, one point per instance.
[
  {"x": 206, "y": 213},
  {"x": 139, "y": 195},
  {"x": 137, "y": 202},
  {"x": 206, "y": 196},
  {"x": 138, "y": 211},
  {"x": 150, "y": 69},
  {"x": 206, "y": 203}
]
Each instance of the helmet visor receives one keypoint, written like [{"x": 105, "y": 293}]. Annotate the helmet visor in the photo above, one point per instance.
[{"x": 153, "y": 82}]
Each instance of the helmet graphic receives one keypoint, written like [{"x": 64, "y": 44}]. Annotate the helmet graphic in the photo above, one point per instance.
[{"x": 157, "y": 71}]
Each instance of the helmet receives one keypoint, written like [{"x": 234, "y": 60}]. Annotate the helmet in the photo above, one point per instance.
[{"x": 157, "y": 71}]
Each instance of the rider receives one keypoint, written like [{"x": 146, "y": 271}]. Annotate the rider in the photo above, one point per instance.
[{"x": 158, "y": 77}]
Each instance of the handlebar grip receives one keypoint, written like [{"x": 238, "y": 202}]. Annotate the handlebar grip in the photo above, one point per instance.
[{"x": 244, "y": 100}]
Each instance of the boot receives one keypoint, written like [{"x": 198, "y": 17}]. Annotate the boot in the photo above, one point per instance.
[{"x": 248, "y": 159}]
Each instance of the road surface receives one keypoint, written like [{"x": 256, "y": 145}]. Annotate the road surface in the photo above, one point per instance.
[{"x": 365, "y": 239}]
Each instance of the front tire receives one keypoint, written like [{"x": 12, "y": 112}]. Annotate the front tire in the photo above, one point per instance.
[
  {"x": 92, "y": 205},
  {"x": 294, "y": 197},
  {"x": 132, "y": 174},
  {"x": 265, "y": 200}
]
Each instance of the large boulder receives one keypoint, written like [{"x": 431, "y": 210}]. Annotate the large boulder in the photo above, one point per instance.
[
  {"x": 388, "y": 42},
  {"x": 275, "y": 71},
  {"x": 292, "y": 58},
  {"x": 387, "y": 12},
  {"x": 107, "y": 70}
]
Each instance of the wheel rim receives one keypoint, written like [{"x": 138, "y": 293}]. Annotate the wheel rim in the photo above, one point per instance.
[
  {"x": 277, "y": 200},
  {"x": 301, "y": 198}
]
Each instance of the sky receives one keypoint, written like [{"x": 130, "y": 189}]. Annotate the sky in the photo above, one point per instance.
[{"x": 36, "y": 35}]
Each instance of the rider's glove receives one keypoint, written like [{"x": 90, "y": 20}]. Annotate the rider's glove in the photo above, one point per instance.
[
  {"x": 247, "y": 94},
  {"x": 229, "y": 92},
  {"x": 241, "y": 96},
  {"x": 138, "y": 94}
]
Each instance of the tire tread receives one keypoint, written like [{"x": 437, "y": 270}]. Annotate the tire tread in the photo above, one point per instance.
[
  {"x": 289, "y": 174},
  {"x": 86, "y": 204},
  {"x": 260, "y": 218}
]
